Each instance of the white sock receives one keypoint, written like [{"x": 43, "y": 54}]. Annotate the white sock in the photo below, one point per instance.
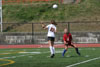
[{"x": 51, "y": 50}]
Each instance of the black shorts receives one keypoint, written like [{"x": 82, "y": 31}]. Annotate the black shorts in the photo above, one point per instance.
[
  {"x": 69, "y": 44},
  {"x": 51, "y": 38}
]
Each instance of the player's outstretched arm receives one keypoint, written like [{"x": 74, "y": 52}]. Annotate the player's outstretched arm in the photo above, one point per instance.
[{"x": 43, "y": 25}]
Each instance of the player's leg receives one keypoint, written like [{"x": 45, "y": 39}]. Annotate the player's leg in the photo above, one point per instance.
[
  {"x": 51, "y": 45},
  {"x": 65, "y": 50},
  {"x": 77, "y": 51}
]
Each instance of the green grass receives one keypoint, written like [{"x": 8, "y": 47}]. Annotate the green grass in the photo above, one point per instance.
[
  {"x": 42, "y": 59},
  {"x": 86, "y": 10}
]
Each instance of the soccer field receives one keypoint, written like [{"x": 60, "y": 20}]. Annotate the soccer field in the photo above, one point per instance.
[{"x": 39, "y": 57}]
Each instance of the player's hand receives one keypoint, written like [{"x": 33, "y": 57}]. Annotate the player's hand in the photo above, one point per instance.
[
  {"x": 65, "y": 42},
  {"x": 72, "y": 43},
  {"x": 42, "y": 23}
]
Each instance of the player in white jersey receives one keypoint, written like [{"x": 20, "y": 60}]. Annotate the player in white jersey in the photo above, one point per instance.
[{"x": 51, "y": 36}]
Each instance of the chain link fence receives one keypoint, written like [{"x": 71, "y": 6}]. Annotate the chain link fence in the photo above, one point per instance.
[{"x": 33, "y": 33}]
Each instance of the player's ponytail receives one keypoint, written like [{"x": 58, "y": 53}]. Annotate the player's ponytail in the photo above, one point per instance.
[{"x": 53, "y": 22}]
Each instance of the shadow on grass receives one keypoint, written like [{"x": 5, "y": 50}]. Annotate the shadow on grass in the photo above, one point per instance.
[{"x": 72, "y": 56}]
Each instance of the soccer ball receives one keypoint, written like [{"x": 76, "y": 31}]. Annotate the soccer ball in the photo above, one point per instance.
[{"x": 55, "y": 6}]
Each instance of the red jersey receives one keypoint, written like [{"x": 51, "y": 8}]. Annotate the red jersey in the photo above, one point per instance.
[{"x": 67, "y": 37}]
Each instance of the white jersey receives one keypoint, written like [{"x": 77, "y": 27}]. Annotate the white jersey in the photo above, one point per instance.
[{"x": 51, "y": 30}]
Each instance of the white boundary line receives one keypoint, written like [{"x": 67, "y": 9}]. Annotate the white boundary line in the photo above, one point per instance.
[{"x": 83, "y": 62}]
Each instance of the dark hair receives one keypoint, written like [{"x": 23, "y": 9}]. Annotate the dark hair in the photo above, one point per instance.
[{"x": 53, "y": 22}]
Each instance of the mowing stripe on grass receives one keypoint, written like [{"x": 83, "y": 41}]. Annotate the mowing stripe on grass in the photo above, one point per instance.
[
  {"x": 83, "y": 62},
  {"x": 11, "y": 52},
  {"x": 32, "y": 53}
]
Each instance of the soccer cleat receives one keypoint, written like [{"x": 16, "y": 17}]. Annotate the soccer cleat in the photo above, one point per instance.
[
  {"x": 63, "y": 56},
  {"x": 78, "y": 53},
  {"x": 52, "y": 56}
]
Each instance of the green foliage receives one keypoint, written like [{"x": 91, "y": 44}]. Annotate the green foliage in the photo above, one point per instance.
[{"x": 86, "y": 10}]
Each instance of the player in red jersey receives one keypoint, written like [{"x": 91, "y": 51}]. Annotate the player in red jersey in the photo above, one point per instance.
[{"x": 67, "y": 38}]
